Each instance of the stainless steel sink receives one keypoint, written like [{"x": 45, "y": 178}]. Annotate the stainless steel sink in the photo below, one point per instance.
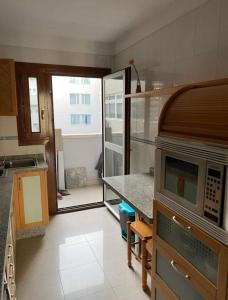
[{"x": 20, "y": 163}]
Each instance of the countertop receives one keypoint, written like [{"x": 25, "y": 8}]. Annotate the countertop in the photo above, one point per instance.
[
  {"x": 137, "y": 190},
  {"x": 6, "y": 187}
]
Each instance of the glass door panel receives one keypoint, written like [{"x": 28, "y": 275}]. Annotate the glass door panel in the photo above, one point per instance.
[{"x": 114, "y": 132}]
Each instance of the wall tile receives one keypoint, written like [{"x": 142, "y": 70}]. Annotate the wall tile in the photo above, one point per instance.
[
  {"x": 207, "y": 27},
  {"x": 184, "y": 36},
  {"x": 183, "y": 71},
  {"x": 204, "y": 66}
]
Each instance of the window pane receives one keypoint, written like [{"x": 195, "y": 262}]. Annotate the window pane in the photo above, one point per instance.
[
  {"x": 75, "y": 119},
  {"x": 119, "y": 110},
  {"x": 88, "y": 119},
  {"x": 74, "y": 98},
  {"x": 34, "y": 104},
  {"x": 85, "y": 81},
  {"x": 112, "y": 110},
  {"x": 85, "y": 98}
]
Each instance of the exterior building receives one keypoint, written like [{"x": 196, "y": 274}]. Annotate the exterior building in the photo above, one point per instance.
[{"x": 77, "y": 104}]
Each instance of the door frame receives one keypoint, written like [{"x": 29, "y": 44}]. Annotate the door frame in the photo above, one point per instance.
[{"x": 47, "y": 71}]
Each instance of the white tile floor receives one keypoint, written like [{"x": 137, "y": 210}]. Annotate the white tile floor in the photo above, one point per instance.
[
  {"x": 83, "y": 195},
  {"x": 82, "y": 256}
]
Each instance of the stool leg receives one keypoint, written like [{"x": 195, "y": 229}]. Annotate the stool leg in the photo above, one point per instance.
[
  {"x": 144, "y": 265},
  {"x": 129, "y": 244}
]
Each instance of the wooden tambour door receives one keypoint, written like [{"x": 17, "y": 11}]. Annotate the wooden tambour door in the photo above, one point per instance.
[
  {"x": 32, "y": 199},
  {"x": 186, "y": 260}
]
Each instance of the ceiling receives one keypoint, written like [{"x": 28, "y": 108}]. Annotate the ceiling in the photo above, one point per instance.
[{"x": 92, "y": 20}]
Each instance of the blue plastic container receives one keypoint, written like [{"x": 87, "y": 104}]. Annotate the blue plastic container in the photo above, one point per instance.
[{"x": 127, "y": 213}]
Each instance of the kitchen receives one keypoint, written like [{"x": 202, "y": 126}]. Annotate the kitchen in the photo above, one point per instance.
[{"x": 168, "y": 131}]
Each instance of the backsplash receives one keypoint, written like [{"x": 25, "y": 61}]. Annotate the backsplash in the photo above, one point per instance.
[{"x": 9, "y": 139}]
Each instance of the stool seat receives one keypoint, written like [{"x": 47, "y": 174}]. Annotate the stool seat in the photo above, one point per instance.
[{"x": 143, "y": 231}]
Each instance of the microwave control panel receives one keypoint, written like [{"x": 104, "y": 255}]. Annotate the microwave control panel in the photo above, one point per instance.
[{"x": 213, "y": 192}]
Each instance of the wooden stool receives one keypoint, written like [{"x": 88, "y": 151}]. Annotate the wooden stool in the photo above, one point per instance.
[
  {"x": 143, "y": 232},
  {"x": 147, "y": 248}
]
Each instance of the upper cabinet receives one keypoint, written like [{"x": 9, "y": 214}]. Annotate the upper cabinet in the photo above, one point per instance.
[
  {"x": 32, "y": 112},
  {"x": 8, "y": 98}
]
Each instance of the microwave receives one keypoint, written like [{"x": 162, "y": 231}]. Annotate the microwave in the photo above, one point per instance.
[{"x": 195, "y": 183}]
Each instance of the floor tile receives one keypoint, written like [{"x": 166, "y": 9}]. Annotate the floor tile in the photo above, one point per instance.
[
  {"x": 82, "y": 256},
  {"x": 84, "y": 280},
  {"x": 82, "y": 195}
]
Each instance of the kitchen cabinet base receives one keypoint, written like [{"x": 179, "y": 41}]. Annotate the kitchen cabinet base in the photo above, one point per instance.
[{"x": 31, "y": 232}]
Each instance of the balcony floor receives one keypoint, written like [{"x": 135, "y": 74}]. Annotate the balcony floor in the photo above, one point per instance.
[{"x": 82, "y": 195}]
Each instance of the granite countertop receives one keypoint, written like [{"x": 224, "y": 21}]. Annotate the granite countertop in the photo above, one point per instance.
[
  {"x": 137, "y": 190},
  {"x": 6, "y": 186}
]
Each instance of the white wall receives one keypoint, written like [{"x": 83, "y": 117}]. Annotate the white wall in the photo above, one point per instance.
[
  {"x": 192, "y": 48},
  {"x": 83, "y": 151}
]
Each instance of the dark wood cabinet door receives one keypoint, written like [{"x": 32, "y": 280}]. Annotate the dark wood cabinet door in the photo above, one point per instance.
[{"x": 8, "y": 99}]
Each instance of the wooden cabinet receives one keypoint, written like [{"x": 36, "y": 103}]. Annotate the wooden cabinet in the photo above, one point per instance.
[
  {"x": 8, "y": 99},
  {"x": 32, "y": 105},
  {"x": 9, "y": 275},
  {"x": 31, "y": 197},
  {"x": 187, "y": 262}
]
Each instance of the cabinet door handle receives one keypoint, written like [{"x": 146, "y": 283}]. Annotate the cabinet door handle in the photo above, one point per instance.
[
  {"x": 172, "y": 263},
  {"x": 179, "y": 224}
]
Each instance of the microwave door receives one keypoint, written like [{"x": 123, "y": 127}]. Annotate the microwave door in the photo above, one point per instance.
[{"x": 183, "y": 181}]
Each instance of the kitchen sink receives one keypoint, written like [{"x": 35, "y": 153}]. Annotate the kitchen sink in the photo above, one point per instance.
[{"x": 20, "y": 163}]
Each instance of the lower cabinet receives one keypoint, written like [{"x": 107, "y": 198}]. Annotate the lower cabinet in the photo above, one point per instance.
[
  {"x": 187, "y": 263},
  {"x": 9, "y": 275},
  {"x": 31, "y": 197}
]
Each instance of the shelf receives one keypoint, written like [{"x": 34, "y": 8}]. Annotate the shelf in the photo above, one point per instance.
[
  {"x": 172, "y": 90},
  {"x": 157, "y": 93}
]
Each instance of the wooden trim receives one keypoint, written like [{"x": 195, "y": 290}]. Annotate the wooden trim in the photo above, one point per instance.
[
  {"x": 65, "y": 70},
  {"x": 223, "y": 274},
  {"x": 174, "y": 89},
  {"x": 157, "y": 93},
  {"x": 44, "y": 197},
  {"x": 16, "y": 203}
]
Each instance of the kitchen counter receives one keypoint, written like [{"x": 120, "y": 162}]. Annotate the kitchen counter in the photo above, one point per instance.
[
  {"x": 6, "y": 188},
  {"x": 135, "y": 189}
]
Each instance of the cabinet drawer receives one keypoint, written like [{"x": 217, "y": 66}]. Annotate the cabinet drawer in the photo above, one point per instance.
[
  {"x": 176, "y": 277},
  {"x": 190, "y": 242},
  {"x": 160, "y": 291}
]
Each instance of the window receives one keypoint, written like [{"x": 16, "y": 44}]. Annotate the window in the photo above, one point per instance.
[
  {"x": 86, "y": 119},
  {"x": 85, "y": 98},
  {"x": 85, "y": 81},
  {"x": 34, "y": 104},
  {"x": 74, "y": 98},
  {"x": 74, "y": 80},
  {"x": 112, "y": 110},
  {"x": 75, "y": 119}
]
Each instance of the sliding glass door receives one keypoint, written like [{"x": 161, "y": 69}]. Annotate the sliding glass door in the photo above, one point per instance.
[{"x": 115, "y": 117}]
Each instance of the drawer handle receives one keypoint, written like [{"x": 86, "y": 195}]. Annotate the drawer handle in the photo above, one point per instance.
[
  {"x": 179, "y": 224},
  {"x": 172, "y": 263}
]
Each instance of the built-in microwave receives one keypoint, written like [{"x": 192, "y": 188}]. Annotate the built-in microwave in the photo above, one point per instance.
[{"x": 195, "y": 183}]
